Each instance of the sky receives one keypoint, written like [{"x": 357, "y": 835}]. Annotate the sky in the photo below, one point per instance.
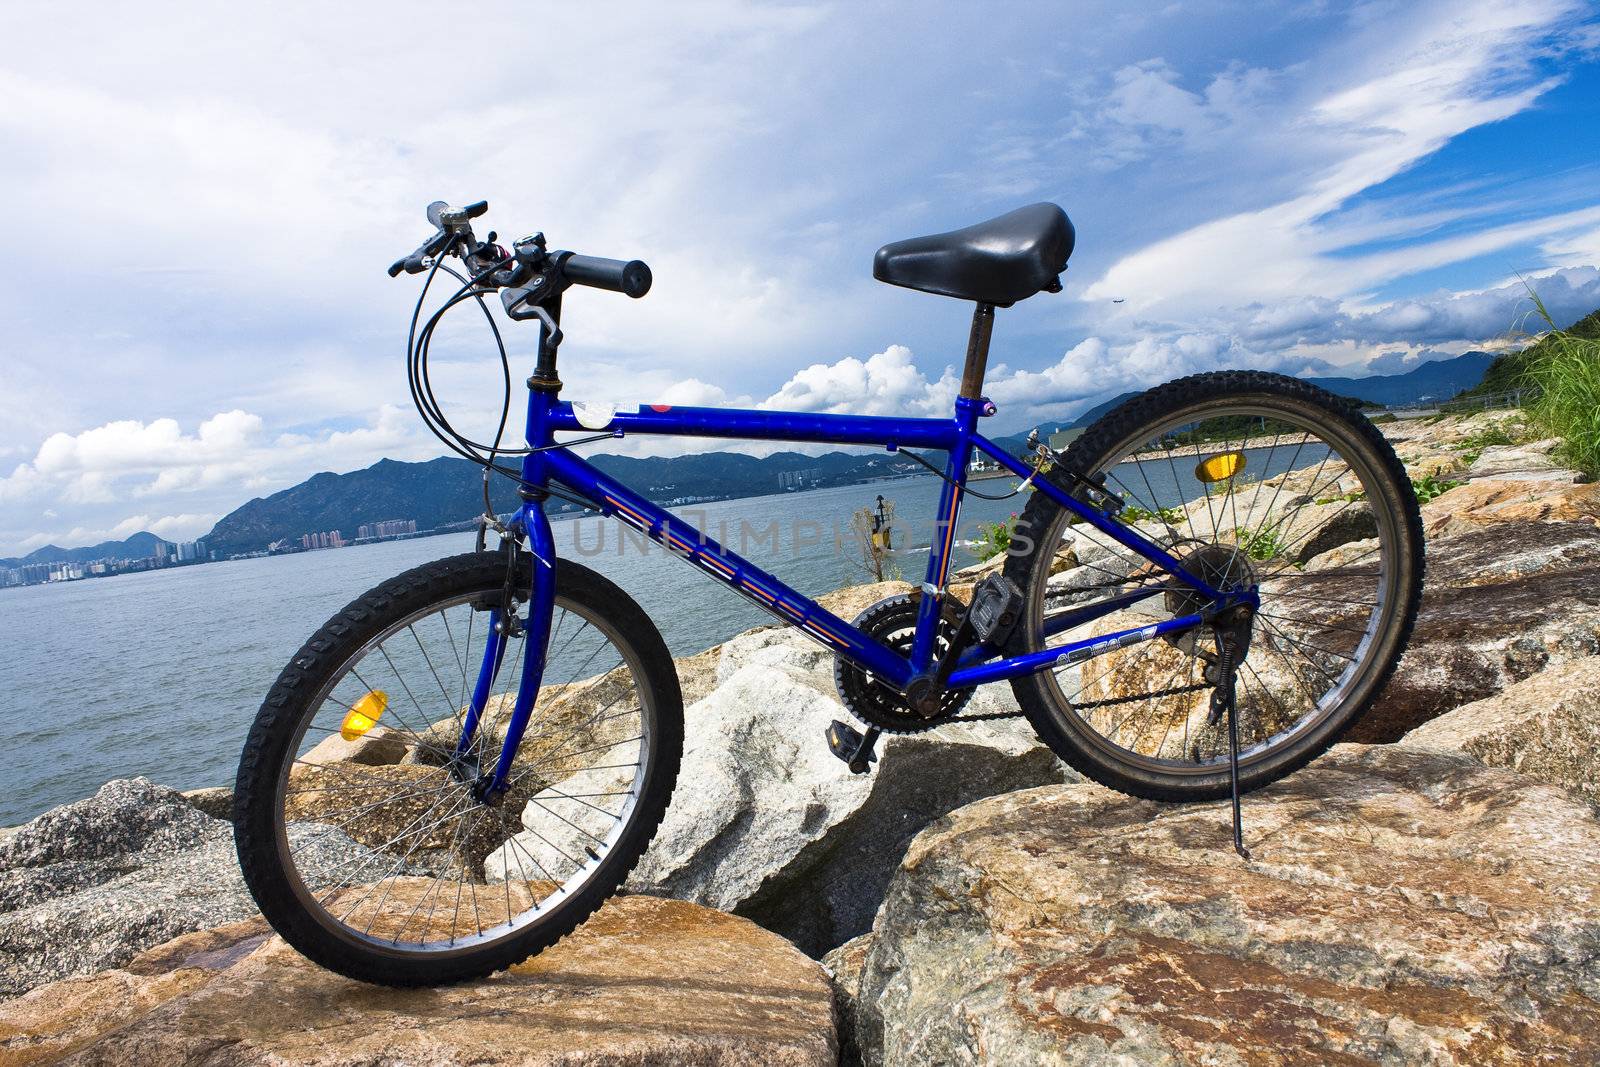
[{"x": 202, "y": 201}]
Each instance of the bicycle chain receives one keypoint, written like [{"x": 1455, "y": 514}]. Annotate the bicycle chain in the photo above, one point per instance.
[{"x": 1109, "y": 702}]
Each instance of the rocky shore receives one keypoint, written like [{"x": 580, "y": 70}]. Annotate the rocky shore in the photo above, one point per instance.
[{"x": 1427, "y": 895}]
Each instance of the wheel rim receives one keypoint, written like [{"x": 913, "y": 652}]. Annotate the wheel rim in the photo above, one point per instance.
[
  {"x": 395, "y": 855},
  {"x": 1315, "y": 642}
]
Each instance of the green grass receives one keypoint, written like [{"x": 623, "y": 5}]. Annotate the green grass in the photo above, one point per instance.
[
  {"x": 1565, "y": 366},
  {"x": 1512, "y": 371}
]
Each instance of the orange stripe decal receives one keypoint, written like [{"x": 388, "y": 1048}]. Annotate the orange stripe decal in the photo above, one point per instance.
[
  {"x": 949, "y": 538},
  {"x": 831, "y": 634},
  {"x": 819, "y": 633}
]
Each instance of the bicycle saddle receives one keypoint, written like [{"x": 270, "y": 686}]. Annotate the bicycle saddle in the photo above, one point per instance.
[{"x": 996, "y": 262}]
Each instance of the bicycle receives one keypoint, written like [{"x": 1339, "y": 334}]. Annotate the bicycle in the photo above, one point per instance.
[{"x": 1175, "y": 632}]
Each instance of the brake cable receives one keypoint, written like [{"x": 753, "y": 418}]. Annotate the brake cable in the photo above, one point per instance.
[
  {"x": 974, "y": 492},
  {"x": 433, "y": 416}
]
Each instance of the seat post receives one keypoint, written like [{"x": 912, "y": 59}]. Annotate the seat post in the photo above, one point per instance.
[{"x": 977, "y": 351}]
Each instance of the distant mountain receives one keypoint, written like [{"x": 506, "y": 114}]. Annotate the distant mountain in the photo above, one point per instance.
[
  {"x": 450, "y": 490},
  {"x": 1014, "y": 442},
  {"x": 1099, "y": 409},
  {"x": 138, "y": 546},
  {"x": 1439, "y": 379}
]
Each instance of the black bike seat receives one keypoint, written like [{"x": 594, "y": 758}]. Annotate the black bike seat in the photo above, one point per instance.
[{"x": 996, "y": 262}]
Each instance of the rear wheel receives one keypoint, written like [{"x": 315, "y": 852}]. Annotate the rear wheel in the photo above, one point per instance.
[
  {"x": 1249, "y": 479},
  {"x": 355, "y": 818}
]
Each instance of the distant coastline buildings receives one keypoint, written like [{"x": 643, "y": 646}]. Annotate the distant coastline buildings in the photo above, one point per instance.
[
  {"x": 328, "y": 539},
  {"x": 164, "y": 554},
  {"x": 383, "y": 530},
  {"x": 387, "y": 528}
]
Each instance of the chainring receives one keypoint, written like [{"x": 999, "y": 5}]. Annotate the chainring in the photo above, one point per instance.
[{"x": 893, "y": 623}]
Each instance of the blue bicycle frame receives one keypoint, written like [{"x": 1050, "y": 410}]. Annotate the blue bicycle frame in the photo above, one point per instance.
[{"x": 957, "y": 437}]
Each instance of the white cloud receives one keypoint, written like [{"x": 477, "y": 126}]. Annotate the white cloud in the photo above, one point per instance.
[
  {"x": 887, "y": 383},
  {"x": 129, "y": 459},
  {"x": 1454, "y": 74}
]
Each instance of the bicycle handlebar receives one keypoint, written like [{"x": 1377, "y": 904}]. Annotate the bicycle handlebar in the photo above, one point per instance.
[{"x": 631, "y": 277}]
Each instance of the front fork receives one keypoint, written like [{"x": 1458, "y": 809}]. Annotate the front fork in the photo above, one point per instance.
[{"x": 532, "y": 523}]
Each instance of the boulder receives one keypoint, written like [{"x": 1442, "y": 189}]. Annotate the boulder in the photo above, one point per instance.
[
  {"x": 1400, "y": 907},
  {"x": 844, "y": 966},
  {"x": 87, "y": 885},
  {"x": 852, "y": 600},
  {"x": 643, "y": 981},
  {"x": 1499, "y": 604},
  {"x": 1530, "y": 462},
  {"x": 1489, "y": 501},
  {"x": 1547, "y": 727},
  {"x": 766, "y": 823},
  {"x": 215, "y": 801},
  {"x": 378, "y": 747}
]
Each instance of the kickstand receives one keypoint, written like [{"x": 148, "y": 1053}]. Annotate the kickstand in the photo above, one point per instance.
[{"x": 1222, "y": 699}]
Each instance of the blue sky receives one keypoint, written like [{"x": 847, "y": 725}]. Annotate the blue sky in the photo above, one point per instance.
[{"x": 197, "y": 311}]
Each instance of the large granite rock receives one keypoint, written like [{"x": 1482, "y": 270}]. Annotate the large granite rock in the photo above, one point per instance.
[
  {"x": 766, "y": 823},
  {"x": 1499, "y": 604},
  {"x": 1401, "y": 907},
  {"x": 644, "y": 981},
  {"x": 1547, "y": 727},
  {"x": 87, "y": 885},
  {"x": 1531, "y": 461},
  {"x": 1493, "y": 501}
]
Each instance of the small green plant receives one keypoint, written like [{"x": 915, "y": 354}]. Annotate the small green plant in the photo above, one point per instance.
[
  {"x": 1259, "y": 545},
  {"x": 1432, "y": 486},
  {"x": 1344, "y": 498},
  {"x": 994, "y": 538},
  {"x": 1565, "y": 368},
  {"x": 1490, "y": 435},
  {"x": 1472, "y": 445}
]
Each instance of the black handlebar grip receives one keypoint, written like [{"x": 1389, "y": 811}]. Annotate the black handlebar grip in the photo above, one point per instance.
[{"x": 631, "y": 277}]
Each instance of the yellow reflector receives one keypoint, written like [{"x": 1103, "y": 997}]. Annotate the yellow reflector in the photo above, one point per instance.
[
  {"x": 364, "y": 714},
  {"x": 1219, "y": 468}
]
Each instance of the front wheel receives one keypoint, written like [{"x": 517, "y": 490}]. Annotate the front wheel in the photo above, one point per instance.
[
  {"x": 1251, "y": 480},
  {"x": 357, "y": 825}
]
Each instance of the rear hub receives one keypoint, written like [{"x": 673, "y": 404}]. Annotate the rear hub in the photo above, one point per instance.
[{"x": 1226, "y": 568}]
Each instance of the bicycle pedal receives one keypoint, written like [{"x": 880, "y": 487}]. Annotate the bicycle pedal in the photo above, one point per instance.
[
  {"x": 851, "y": 746},
  {"x": 996, "y": 606}
]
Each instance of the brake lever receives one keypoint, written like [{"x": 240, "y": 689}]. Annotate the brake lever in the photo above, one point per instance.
[{"x": 413, "y": 264}]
